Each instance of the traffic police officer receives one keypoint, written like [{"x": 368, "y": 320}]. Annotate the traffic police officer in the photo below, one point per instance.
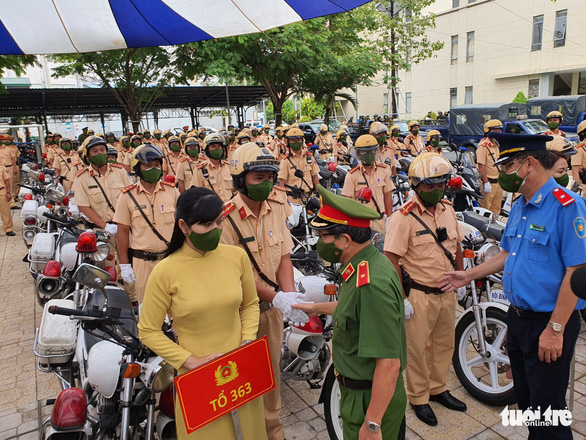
[
  {"x": 424, "y": 239},
  {"x": 145, "y": 215},
  {"x": 278, "y": 145},
  {"x": 265, "y": 137},
  {"x": 298, "y": 168},
  {"x": 486, "y": 156},
  {"x": 172, "y": 159},
  {"x": 5, "y": 200},
  {"x": 256, "y": 220},
  {"x": 553, "y": 120},
  {"x": 341, "y": 151},
  {"x": 188, "y": 164},
  {"x": 53, "y": 149},
  {"x": 370, "y": 182},
  {"x": 111, "y": 139},
  {"x": 543, "y": 243},
  {"x": 394, "y": 142},
  {"x": 9, "y": 158},
  {"x": 66, "y": 162},
  {"x": 413, "y": 141},
  {"x": 369, "y": 322},
  {"x": 325, "y": 142},
  {"x": 214, "y": 172},
  {"x": 433, "y": 138},
  {"x": 385, "y": 153},
  {"x": 579, "y": 159}
]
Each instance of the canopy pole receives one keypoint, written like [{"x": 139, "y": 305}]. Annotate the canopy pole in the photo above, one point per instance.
[
  {"x": 45, "y": 114},
  {"x": 240, "y": 116},
  {"x": 124, "y": 120},
  {"x": 192, "y": 115},
  {"x": 103, "y": 121}
]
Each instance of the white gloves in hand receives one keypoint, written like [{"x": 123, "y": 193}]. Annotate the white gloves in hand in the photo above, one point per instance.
[
  {"x": 127, "y": 273},
  {"x": 284, "y": 300},
  {"x": 461, "y": 293},
  {"x": 487, "y": 187},
  {"x": 111, "y": 228},
  {"x": 408, "y": 309}
]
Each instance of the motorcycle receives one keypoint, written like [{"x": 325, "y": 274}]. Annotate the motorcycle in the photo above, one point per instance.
[
  {"x": 109, "y": 380},
  {"x": 304, "y": 238}
]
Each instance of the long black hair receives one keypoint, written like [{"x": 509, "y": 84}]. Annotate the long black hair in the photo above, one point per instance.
[{"x": 196, "y": 205}]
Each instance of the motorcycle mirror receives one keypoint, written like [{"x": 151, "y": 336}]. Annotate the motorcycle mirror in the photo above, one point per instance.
[
  {"x": 91, "y": 276},
  {"x": 453, "y": 147},
  {"x": 54, "y": 195}
]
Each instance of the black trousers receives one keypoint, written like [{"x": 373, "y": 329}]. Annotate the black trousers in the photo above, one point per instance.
[{"x": 537, "y": 383}]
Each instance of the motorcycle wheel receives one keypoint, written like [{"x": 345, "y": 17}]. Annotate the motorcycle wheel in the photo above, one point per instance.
[
  {"x": 331, "y": 401},
  {"x": 485, "y": 379}
]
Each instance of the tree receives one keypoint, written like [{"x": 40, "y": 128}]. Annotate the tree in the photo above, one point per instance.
[
  {"x": 16, "y": 63},
  {"x": 136, "y": 77},
  {"x": 287, "y": 111},
  {"x": 520, "y": 98}
]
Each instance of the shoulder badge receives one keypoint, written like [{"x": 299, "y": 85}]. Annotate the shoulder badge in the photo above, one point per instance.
[
  {"x": 200, "y": 166},
  {"x": 405, "y": 210},
  {"x": 280, "y": 188},
  {"x": 446, "y": 202},
  {"x": 116, "y": 165},
  {"x": 228, "y": 208},
  {"x": 353, "y": 170},
  {"x": 280, "y": 202},
  {"x": 363, "y": 274},
  {"x": 381, "y": 165},
  {"x": 564, "y": 198},
  {"x": 129, "y": 187},
  {"x": 348, "y": 272},
  {"x": 183, "y": 159},
  {"x": 242, "y": 212},
  {"x": 168, "y": 184},
  {"x": 81, "y": 172}
]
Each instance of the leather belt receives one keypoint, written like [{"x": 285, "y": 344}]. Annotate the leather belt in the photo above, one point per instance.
[
  {"x": 264, "y": 306},
  {"x": 353, "y": 384},
  {"x": 530, "y": 314},
  {"x": 148, "y": 256},
  {"x": 7, "y": 166},
  {"x": 426, "y": 289},
  {"x": 493, "y": 180}
]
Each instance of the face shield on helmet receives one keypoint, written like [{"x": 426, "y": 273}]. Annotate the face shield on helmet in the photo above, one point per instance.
[
  {"x": 366, "y": 148},
  {"x": 215, "y": 147},
  {"x": 430, "y": 169},
  {"x": 249, "y": 158}
]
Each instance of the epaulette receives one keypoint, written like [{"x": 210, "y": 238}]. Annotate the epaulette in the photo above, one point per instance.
[
  {"x": 446, "y": 202},
  {"x": 353, "y": 170},
  {"x": 381, "y": 165},
  {"x": 564, "y": 198},
  {"x": 129, "y": 187},
  {"x": 405, "y": 210},
  {"x": 280, "y": 202},
  {"x": 172, "y": 185},
  {"x": 81, "y": 172},
  {"x": 200, "y": 166},
  {"x": 117, "y": 165},
  {"x": 183, "y": 159},
  {"x": 280, "y": 188},
  {"x": 228, "y": 208},
  {"x": 363, "y": 277}
]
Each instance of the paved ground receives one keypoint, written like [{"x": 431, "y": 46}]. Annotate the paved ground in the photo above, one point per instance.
[{"x": 22, "y": 386}]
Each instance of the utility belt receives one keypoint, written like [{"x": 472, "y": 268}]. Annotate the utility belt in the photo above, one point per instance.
[
  {"x": 493, "y": 180},
  {"x": 264, "y": 305},
  {"x": 7, "y": 166},
  {"x": 530, "y": 314},
  {"x": 353, "y": 384},
  {"x": 146, "y": 255},
  {"x": 426, "y": 289}
]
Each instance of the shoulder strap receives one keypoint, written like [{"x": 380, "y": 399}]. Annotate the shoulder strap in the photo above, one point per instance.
[
  {"x": 373, "y": 197},
  {"x": 104, "y": 194},
  {"x": 169, "y": 163},
  {"x": 206, "y": 174},
  {"x": 147, "y": 219},
  {"x": 447, "y": 252},
  {"x": 297, "y": 169},
  {"x": 249, "y": 253}
]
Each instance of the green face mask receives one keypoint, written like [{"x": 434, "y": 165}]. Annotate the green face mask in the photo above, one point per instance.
[
  {"x": 112, "y": 161},
  {"x": 193, "y": 152},
  {"x": 260, "y": 191},
  {"x": 563, "y": 180},
  {"x": 217, "y": 154},
  {"x": 111, "y": 140},
  {"x": 381, "y": 140},
  {"x": 66, "y": 147},
  {"x": 329, "y": 251},
  {"x": 201, "y": 136},
  {"x": 296, "y": 146},
  {"x": 435, "y": 143},
  {"x": 415, "y": 132},
  {"x": 431, "y": 198},
  {"x": 49, "y": 142},
  {"x": 158, "y": 137},
  {"x": 126, "y": 144},
  {"x": 511, "y": 182},
  {"x": 267, "y": 131},
  {"x": 553, "y": 125},
  {"x": 232, "y": 139},
  {"x": 279, "y": 135},
  {"x": 396, "y": 134},
  {"x": 368, "y": 158},
  {"x": 135, "y": 144},
  {"x": 174, "y": 148},
  {"x": 151, "y": 175},
  {"x": 99, "y": 159},
  {"x": 206, "y": 242}
]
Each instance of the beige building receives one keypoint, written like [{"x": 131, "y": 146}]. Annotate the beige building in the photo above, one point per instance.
[{"x": 493, "y": 49}]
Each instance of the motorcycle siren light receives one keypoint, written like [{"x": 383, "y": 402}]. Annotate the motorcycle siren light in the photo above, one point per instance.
[
  {"x": 28, "y": 196},
  {"x": 31, "y": 220},
  {"x": 332, "y": 167},
  {"x": 41, "y": 177},
  {"x": 86, "y": 243},
  {"x": 364, "y": 195},
  {"x": 65, "y": 201},
  {"x": 44, "y": 155},
  {"x": 167, "y": 403},
  {"x": 313, "y": 326},
  {"x": 69, "y": 410},
  {"x": 52, "y": 269},
  {"x": 170, "y": 179},
  {"x": 330, "y": 289},
  {"x": 36, "y": 165},
  {"x": 113, "y": 275},
  {"x": 455, "y": 182}
]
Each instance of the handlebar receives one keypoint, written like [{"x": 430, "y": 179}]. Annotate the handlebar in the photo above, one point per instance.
[
  {"x": 33, "y": 189},
  {"x": 56, "y": 310}
]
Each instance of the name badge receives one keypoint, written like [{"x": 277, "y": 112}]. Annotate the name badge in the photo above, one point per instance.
[
  {"x": 418, "y": 233},
  {"x": 141, "y": 206},
  {"x": 92, "y": 186},
  {"x": 537, "y": 228}
]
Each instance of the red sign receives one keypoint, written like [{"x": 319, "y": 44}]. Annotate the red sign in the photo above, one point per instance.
[{"x": 212, "y": 390}]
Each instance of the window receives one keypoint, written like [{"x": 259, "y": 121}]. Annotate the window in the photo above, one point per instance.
[
  {"x": 454, "y": 55},
  {"x": 582, "y": 84},
  {"x": 408, "y": 102},
  {"x": 455, "y": 3},
  {"x": 470, "y": 46},
  {"x": 559, "y": 33},
  {"x": 471, "y": 1},
  {"x": 537, "y": 32},
  {"x": 468, "y": 96},
  {"x": 533, "y": 88},
  {"x": 453, "y": 97}
]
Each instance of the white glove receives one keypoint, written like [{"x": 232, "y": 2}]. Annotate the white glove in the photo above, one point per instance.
[
  {"x": 408, "y": 309},
  {"x": 111, "y": 228},
  {"x": 283, "y": 302},
  {"x": 461, "y": 293},
  {"x": 127, "y": 273},
  {"x": 487, "y": 187}
]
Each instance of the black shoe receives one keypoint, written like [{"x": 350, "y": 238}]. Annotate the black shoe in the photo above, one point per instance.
[
  {"x": 425, "y": 414},
  {"x": 10, "y": 234},
  {"x": 449, "y": 401}
]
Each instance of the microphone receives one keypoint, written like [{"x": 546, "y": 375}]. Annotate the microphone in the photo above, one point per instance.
[{"x": 578, "y": 282}]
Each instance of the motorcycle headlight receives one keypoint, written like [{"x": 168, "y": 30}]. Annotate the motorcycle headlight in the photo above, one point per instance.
[
  {"x": 486, "y": 252},
  {"x": 158, "y": 374},
  {"x": 102, "y": 253}
]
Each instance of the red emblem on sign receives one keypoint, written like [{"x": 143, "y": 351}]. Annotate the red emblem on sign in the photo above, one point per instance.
[{"x": 224, "y": 384}]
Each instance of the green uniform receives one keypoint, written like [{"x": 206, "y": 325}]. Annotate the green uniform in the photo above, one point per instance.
[{"x": 369, "y": 323}]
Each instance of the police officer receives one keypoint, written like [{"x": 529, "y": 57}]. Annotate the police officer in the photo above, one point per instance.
[
  {"x": 54, "y": 149},
  {"x": 543, "y": 243},
  {"x": 125, "y": 153},
  {"x": 265, "y": 137},
  {"x": 341, "y": 150},
  {"x": 214, "y": 172},
  {"x": 66, "y": 162},
  {"x": 433, "y": 138},
  {"x": 9, "y": 159},
  {"x": 145, "y": 215},
  {"x": 278, "y": 145},
  {"x": 188, "y": 164},
  {"x": 256, "y": 220},
  {"x": 370, "y": 182},
  {"x": 369, "y": 322},
  {"x": 424, "y": 238},
  {"x": 5, "y": 201},
  {"x": 396, "y": 145},
  {"x": 413, "y": 141},
  {"x": 486, "y": 156},
  {"x": 554, "y": 120},
  {"x": 298, "y": 168},
  {"x": 579, "y": 159},
  {"x": 385, "y": 153},
  {"x": 111, "y": 139},
  {"x": 325, "y": 142},
  {"x": 172, "y": 159},
  {"x": 232, "y": 144}
]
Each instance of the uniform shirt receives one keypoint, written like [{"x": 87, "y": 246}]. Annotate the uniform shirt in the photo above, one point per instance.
[
  {"x": 420, "y": 254},
  {"x": 186, "y": 168},
  {"x": 379, "y": 180},
  {"x": 324, "y": 142},
  {"x": 265, "y": 139},
  {"x": 171, "y": 163},
  {"x": 6, "y": 156},
  {"x": 551, "y": 133},
  {"x": 4, "y": 176},
  {"x": 118, "y": 147},
  {"x": 52, "y": 151},
  {"x": 75, "y": 169},
  {"x": 278, "y": 147},
  {"x": 159, "y": 207},
  {"x": 340, "y": 149},
  {"x": 218, "y": 178},
  {"x": 579, "y": 159},
  {"x": 301, "y": 161},
  {"x": 231, "y": 149},
  {"x": 487, "y": 154},
  {"x": 414, "y": 143},
  {"x": 64, "y": 163},
  {"x": 395, "y": 144},
  {"x": 543, "y": 238},
  {"x": 267, "y": 235},
  {"x": 384, "y": 154},
  {"x": 369, "y": 321},
  {"x": 88, "y": 193}
]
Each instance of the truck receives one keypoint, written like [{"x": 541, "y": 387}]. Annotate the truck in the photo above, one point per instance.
[{"x": 573, "y": 107}]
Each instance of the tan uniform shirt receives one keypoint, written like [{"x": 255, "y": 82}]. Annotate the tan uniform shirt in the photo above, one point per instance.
[
  {"x": 265, "y": 139},
  {"x": 303, "y": 162},
  {"x": 187, "y": 167},
  {"x": 487, "y": 154},
  {"x": 118, "y": 147},
  {"x": 162, "y": 144},
  {"x": 75, "y": 169},
  {"x": 579, "y": 159},
  {"x": 171, "y": 163},
  {"x": 324, "y": 142},
  {"x": 216, "y": 178},
  {"x": 432, "y": 149},
  {"x": 379, "y": 181},
  {"x": 558, "y": 132},
  {"x": 159, "y": 207},
  {"x": 414, "y": 143},
  {"x": 339, "y": 149},
  {"x": 53, "y": 151},
  {"x": 64, "y": 162},
  {"x": 421, "y": 256},
  {"x": 7, "y": 157},
  {"x": 4, "y": 176},
  {"x": 395, "y": 144},
  {"x": 231, "y": 149},
  {"x": 384, "y": 154},
  {"x": 88, "y": 193},
  {"x": 267, "y": 235},
  {"x": 278, "y": 147}
]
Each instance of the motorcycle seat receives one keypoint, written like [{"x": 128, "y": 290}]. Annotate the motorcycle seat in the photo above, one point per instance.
[
  {"x": 496, "y": 231},
  {"x": 67, "y": 237},
  {"x": 326, "y": 174},
  {"x": 480, "y": 222}
]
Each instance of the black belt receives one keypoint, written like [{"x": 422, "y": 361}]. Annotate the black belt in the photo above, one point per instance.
[
  {"x": 148, "y": 256},
  {"x": 353, "y": 384},
  {"x": 426, "y": 289},
  {"x": 530, "y": 314},
  {"x": 7, "y": 166},
  {"x": 493, "y": 180}
]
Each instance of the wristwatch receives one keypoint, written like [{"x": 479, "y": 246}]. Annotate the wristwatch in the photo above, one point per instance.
[
  {"x": 372, "y": 426},
  {"x": 558, "y": 328}
]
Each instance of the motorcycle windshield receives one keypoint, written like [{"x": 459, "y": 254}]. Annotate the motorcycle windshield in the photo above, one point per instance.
[{"x": 469, "y": 170}]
